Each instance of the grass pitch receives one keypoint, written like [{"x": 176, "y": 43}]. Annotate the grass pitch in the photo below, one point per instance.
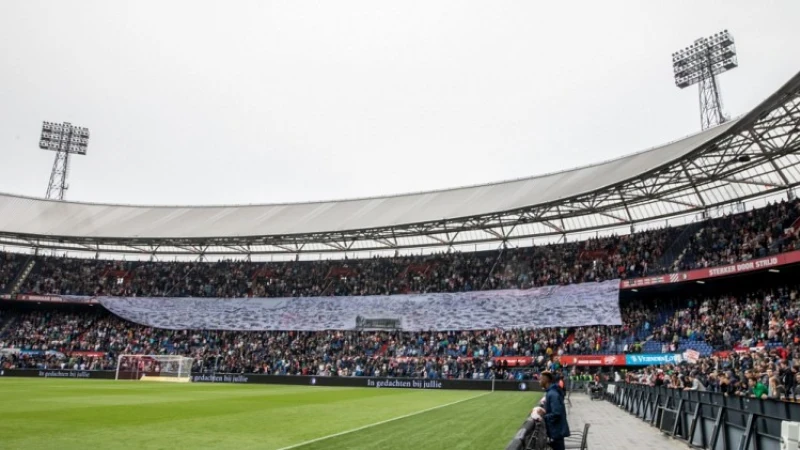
[{"x": 65, "y": 414}]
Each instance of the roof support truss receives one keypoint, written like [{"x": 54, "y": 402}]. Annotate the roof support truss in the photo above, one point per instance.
[{"x": 756, "y": 157}]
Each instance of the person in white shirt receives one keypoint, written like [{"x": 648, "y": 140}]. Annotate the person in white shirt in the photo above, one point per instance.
[{"x": 696, "y": 384}]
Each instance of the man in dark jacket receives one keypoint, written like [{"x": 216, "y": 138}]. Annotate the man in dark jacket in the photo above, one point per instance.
[
  {"x": 555, "y": 414},
  {"x": 787, "y": 378}
]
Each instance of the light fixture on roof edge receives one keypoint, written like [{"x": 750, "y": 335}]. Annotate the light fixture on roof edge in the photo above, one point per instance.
[
  {"x": 700, "y": 63},
  {"x": 64, "y": 139}
]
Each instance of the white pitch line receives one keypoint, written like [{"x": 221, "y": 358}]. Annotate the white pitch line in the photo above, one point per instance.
[{"x": 381, "y": 422}]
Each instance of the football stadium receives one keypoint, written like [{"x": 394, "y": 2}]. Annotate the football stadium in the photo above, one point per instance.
[{"x": 649, "y": 301}]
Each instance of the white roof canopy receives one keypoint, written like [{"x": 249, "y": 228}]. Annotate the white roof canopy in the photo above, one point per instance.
[{"x": 750, "y": 156}]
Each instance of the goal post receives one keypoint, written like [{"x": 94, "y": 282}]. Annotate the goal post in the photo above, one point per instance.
[{"x": 165, "y": 368}]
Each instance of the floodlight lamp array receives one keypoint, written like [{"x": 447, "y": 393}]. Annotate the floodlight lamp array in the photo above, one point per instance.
[
  {"x": 64, "y": 138},
  {"x": 705, "y": 58}
]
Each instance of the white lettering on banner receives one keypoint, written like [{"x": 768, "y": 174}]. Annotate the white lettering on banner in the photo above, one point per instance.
[
  {"x": 545, "y": 307},
  {"x": 665, "y": 358},
  {"x": 64, "y": 374},
  {"x": 743, "y": 267},
  {"x": 219, "y": 378},
  {"x": 407, "y": 384},
  {"x": 766, "y": 263}
]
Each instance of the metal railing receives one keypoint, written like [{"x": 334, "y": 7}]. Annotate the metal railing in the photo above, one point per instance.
[
  {"x": 531, "y": 436},
  {"x": 708, "y": 420}
]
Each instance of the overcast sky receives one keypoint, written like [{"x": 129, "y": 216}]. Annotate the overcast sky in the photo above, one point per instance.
[{"x": 197, "y": 102}]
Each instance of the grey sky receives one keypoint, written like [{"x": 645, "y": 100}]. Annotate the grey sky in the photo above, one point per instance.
[{"x": 197, "y": 102}]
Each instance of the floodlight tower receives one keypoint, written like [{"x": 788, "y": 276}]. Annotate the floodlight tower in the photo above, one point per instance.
[
  {"x": 65, "y": 140},
  {"x": 700, "y": 63}
]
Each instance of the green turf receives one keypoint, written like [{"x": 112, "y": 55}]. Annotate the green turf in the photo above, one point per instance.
[{"x": 64, "y": 414}]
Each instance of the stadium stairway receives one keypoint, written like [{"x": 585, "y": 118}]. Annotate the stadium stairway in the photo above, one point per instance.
[
  {"x": 674, "y": 254},
  {"x": 23, "y": 275},
  {"x": 5, "y": 323},
  {"x": 683, "y": 258}
]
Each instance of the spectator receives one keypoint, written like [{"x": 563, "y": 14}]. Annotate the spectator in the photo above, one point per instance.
[
  {"x": 555, "y": 414},
  {"x": 695, "y": 384}
]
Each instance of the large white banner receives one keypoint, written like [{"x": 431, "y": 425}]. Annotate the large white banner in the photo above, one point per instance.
[{"x": 545, "y": 307}]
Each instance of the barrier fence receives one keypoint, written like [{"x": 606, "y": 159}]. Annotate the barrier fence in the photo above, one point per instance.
[
  {"x": 708, "y": 420},
  {"x": 531, "y": 436},
  {"x": 365, "y": 382}
]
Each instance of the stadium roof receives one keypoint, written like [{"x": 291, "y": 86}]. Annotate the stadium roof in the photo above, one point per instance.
[{"x": 751, "y": 156}]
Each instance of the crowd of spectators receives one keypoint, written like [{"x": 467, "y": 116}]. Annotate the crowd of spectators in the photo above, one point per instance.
[
  {"x": 725, "y": 240},
  {"x": 741, "y": 237},
  {"x": 593, "y": 260},
  {"x": 92, "y": 337},
  {"x": 758, "y": 333},
  {"x": 756, "y": 374},
  {"x": 765, "y": 316}
]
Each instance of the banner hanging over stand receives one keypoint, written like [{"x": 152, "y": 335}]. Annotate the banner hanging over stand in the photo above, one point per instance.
[{"x": 544, "y": 307}]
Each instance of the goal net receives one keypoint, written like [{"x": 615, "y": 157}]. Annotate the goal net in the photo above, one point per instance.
[{"x": 168, "y": 368}]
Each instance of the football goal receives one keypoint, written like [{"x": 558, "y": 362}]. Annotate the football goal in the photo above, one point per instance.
[{"x": 169, "y": 368}]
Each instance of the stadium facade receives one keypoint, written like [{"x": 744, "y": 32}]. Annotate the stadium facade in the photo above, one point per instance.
[{"x": 755, "y": 156}]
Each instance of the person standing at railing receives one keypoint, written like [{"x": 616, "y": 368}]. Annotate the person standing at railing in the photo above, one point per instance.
[
  {"x": 757, "y": 388},
  {"x": 787, "y": 378},
  {"x": 694, "y": 383},
  {"x": 554, "y": 412}
]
